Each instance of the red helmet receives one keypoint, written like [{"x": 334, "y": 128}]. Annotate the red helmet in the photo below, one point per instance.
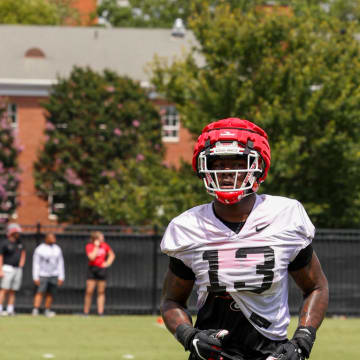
[{"x": 232, "y": 137}]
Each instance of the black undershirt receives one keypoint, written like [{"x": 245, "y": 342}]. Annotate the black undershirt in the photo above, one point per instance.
[
  {"x": 234, "y": 226},
  {"x": 302, "y": 259}
]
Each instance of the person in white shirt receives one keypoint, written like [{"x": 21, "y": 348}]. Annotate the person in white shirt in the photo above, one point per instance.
[
  {"x": 239, "y": 251},
  {"x": 48, "y": 273}
]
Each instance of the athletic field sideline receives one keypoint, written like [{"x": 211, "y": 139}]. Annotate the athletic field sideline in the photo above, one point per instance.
[{"x": 73, "y": 337}]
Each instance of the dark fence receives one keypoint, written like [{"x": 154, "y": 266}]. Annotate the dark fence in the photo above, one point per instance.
[{"x": 135, "y": 279}]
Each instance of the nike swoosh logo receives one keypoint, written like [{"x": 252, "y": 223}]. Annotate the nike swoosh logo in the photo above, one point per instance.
[{"x": 261, "y": 228}]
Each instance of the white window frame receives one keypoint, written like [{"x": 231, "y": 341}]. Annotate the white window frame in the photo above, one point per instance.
[
  {"x": 52, "y": 206},
  {"x": 170, "y": 120},
  {"x": 12, "y": 114}
]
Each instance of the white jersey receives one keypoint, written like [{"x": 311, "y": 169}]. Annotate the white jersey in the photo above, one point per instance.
[
  {"x": 48, "y": 261},
  {"x": 252, "y": 266}
]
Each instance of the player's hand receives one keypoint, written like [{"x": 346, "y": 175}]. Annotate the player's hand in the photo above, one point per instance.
[
  {"x": 60, "y": 282},
  {"x": 37, "y": 282},
  {"x": 287, "y": 351},
  {"x": 203, "y": 344},
  {"x": 1, "y": 273},
  {"x": 299, "y": 347},
  {"x": 304, "y": 337},
  {"x": 206, "y": 344}
]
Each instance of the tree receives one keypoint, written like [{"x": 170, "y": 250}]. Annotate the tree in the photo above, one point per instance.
[
  {"x": 66, "y": 12},
  {"x": 345, "y": 10},
  {"x": 94, "y": 122},
  {"x": 295, "y": 74},
  {"x": 148, "y": 13},
  {"x": 37, "y": 12},
  {"x": 145, "y": 192},
  {"x": 162, "y": 13},
  {"x": 155, "y": 13},
  {"x": 9, "y": 169}
]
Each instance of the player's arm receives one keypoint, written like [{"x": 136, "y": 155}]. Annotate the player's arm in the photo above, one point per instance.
[
  {"x": 91, "y": 254},
  {"x": 110, "y": 259},
  {"x": 61, "y": 268},
  {"x": 203, "y": 344},
  {"x": 314, "y": 285},
  {"x": 22, "y": 259},
  {"x": 36, "y": 267},
  {"x": 1, "y": 265},
  {"x": 175, "y": 294}
]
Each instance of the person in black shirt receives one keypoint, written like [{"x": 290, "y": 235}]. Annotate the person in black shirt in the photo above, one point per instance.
[{"x": 12, "y": 261}]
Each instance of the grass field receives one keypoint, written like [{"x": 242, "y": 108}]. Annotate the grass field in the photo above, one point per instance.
[{"x": 71, "y": 337}]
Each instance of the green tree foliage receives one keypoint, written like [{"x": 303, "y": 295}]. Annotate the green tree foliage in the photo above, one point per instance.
[
  {"x": 66, "y": 12},
  {"x": 155, "y": 13},
  {"x": 148, "y": 13},
  {"x": 162, "y": 13},
  {"x": 297, "y": 76},
  {"x": 94, "y": 122},
  {"x": 9, "y": 169},
  {"x": 145, "y": 192},
  {"x": 37, "y": 12},
  {"x": 345, "y": 10}
]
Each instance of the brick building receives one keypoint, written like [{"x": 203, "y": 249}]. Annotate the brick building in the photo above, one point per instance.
[
  {"x": 32, "y": 57},
  {"x": 86, "y": 9}
]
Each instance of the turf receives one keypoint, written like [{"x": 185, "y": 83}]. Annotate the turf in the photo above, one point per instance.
[{"x": 71, "y": 337}]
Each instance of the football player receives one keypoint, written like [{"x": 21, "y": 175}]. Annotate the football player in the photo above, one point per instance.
[{"x": 239, "y": 251}]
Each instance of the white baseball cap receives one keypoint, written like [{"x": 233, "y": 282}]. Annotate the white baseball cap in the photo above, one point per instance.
[{"x": 13, "y": 228}]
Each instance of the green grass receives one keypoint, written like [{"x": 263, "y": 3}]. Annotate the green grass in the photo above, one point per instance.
[{"x": 120, "y": 337}]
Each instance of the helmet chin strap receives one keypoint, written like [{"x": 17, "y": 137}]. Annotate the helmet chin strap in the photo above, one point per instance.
[{"x": 229, "y": 198}]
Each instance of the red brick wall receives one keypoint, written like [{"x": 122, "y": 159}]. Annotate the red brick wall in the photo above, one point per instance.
[
  {"x": 31, "y": 123},
  {"x": 86, "y": 9},
  {"x": 174, "y": 151}
]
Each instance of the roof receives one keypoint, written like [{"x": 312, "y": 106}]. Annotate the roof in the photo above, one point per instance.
[{"x": 124, "y": 50}]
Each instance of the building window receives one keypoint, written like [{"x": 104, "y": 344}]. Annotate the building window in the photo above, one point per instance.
[
  {"x": 10, "y": 203},
  {"x": 170, "y": 120},
  {"x": 12, "y": 115},
  {"x": 56, "y": 205}
]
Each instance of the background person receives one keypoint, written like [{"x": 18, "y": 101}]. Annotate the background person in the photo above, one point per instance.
[
  {"x": 12, "y": 261},
  {"x": 100, "y": 256},
  {"x": 48, "y": 273},
  {"x": 239, "y": 251}
]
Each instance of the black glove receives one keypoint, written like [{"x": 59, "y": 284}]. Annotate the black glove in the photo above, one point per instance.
[
  {"x": 299, "y": 347},
  {"x": 203, "y": 344},
  {"x": 304, "y": 337}
]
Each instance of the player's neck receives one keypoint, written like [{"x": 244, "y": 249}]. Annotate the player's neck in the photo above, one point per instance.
[{"x": 235, "y": 212}]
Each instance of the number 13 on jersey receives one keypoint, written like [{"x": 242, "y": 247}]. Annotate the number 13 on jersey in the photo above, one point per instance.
[{"x": 263, "y": 268}]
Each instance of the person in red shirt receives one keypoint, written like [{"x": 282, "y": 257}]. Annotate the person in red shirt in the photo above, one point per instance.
[{"x": 100, "y": 256}]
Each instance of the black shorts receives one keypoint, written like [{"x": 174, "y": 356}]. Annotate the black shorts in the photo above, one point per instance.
[
  {"x": 96, "y": 273},
  {"x": 48, "y": 285},
  {"x": 244, "y": 341}
]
